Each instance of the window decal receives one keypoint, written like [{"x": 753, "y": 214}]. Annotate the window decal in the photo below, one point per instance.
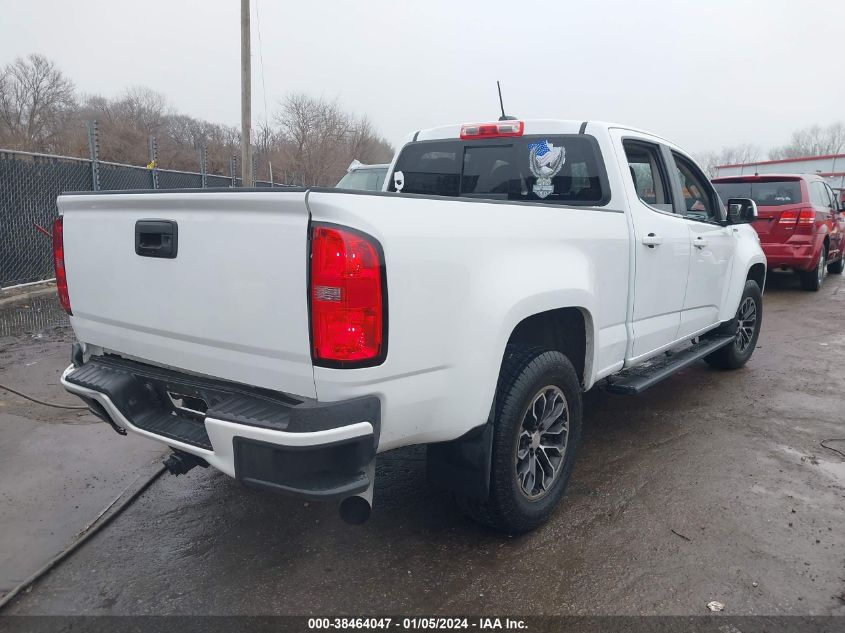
[{"x": 545, "y": 161}]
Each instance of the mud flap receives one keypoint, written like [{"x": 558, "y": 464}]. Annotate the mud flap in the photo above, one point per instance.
[{"x": 463, "y": 465}]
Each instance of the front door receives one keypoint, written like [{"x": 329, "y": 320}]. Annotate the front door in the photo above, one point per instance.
[
  {"x": 712, "y": 247},
  {"x": 661, "y": 245},
  {"x": 836, "y": 223}
]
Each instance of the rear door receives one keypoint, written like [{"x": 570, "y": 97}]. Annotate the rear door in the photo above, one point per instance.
[
  {"x": 661, "y": 244},
  {"x": 229, "y": 301},
  {"x": 712, "y": 246}
]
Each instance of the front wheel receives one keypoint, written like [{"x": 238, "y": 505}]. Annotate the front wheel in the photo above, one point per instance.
[
  {"x": 536, "y": 431},
  {"x": 746, "y": 328}
]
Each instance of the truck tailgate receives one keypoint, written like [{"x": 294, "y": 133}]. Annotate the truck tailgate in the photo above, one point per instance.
[{"x": 231, "y": 304}]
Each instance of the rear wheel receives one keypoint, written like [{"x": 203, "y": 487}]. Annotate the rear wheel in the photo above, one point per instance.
[
  {"x": 536, "y": 431},
  {"x": 812, "y": 279},
  {"x": 746, "y": 326}
]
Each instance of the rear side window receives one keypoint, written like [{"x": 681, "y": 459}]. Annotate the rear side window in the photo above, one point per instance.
[
  {"x": 774, "y": 193},
  {"x": 564, "y": 169},
  {"x": 648, "y": 174},
  {"x": 818, "y": 194}
]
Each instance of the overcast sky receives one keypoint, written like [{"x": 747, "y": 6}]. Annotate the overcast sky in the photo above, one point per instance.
[{"x": 703, "y": 74}]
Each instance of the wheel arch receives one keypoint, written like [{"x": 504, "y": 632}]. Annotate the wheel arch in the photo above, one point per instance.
[
  {"x": 757, "y": 273},
  {"x": 568, "y": 330}
]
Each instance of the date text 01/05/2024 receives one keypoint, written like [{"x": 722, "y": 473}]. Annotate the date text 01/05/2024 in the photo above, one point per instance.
[{"x": 422, "y": 623}]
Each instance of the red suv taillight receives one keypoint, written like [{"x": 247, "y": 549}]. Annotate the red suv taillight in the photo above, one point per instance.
[
  {"x": 59, "y": 263},
  {"x": 347, "y": 293},
  {"x": 806, "y": 217},
  {"x": 789, "y": 218},
  {"x": 793, "y": 218}
]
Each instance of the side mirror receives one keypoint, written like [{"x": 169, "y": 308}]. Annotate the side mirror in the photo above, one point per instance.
[{"x": 741, "y": 211}]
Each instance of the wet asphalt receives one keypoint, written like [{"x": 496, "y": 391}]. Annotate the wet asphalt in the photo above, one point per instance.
[
  {"x": 711, "y": 486},
  {"x": 58, "y": 467}
]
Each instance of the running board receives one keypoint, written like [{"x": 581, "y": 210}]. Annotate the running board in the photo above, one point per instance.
[{"x": 638, "y": 379}]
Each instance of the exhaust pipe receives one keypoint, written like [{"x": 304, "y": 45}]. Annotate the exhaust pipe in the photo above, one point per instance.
[
  {"x": 356, "y": 510},
  {"x": 180, "y": 462}
]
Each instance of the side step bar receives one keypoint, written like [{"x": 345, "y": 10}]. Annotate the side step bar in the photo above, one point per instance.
[{"x": 638, "y": 379}]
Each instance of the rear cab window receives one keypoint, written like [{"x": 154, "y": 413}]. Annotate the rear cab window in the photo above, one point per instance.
[
  {"x": 557, "y": 169},
  {"x": 768, "y": 193}
]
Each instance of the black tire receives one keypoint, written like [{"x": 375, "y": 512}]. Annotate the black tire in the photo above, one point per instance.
[
  {"x": 739, "y": 352},
  {"x": 838, "y": 266},
  {"x": 812, "y": 279},
  {"x": 526, "y": 373}
]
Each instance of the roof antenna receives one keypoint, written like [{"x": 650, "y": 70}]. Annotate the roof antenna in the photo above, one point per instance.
[{"x": 504, "y": 116}]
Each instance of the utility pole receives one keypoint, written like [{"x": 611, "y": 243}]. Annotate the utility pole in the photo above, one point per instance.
[{"x": 246, "y": 98}]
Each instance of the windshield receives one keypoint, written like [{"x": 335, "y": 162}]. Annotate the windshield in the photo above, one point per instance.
[
  {"x": 556, "y": 169},
  {"x": 773, "y": 193},
  {"x": 364, "y": 178}
]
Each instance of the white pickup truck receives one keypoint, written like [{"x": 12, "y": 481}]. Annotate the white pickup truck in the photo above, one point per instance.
[{"x": 285, "y": 337}]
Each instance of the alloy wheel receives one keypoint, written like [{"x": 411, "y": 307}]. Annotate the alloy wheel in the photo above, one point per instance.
[
  {"x": 746, "y": 318},
  {"x": 542, "y": 441}
]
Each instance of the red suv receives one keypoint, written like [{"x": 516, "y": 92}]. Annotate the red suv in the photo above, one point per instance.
[{"x": 799, "y": 222}]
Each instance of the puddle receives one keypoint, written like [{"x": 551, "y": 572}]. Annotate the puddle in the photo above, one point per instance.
[
  {"x": 31, "y": 316},
  {"x": 837, "y": 471},
  {"x": 833, "y": 469}
]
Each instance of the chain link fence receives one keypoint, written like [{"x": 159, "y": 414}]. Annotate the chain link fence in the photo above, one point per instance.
[{"x": 30, "y": 184}]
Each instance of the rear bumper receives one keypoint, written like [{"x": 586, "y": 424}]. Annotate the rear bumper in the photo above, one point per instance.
[
  {"x": 264, "y": 439},
  {"x": 798, "y": 255}
]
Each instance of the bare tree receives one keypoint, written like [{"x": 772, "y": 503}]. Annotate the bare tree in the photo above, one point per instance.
[
  {"x": 145, "y": 109},
  {"x": 708, "y": 161},
  {"x": 311, "y": 140},
  {"x": 815, "y": 140},
  {"x": 317, "y": 140},
  {"x": 738, "y": 154},
  {"x": 35, "y": 99},
  {"x": 366, "y": 145}
]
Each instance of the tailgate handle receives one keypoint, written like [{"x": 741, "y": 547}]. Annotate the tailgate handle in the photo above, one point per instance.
[{"x": 156, "y": 238}]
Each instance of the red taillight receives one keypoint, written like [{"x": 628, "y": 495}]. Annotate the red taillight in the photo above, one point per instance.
[
  {"x": 347, "y": 298},
  {"x": 492, "y": 130},
  {"x": 803, "y": 217},
  {"x": 806, "y": 217},
  {"x": 59, "y": 263},
  {"x": 788, "y": 217}
]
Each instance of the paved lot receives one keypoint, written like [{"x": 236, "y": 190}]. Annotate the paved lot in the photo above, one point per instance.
[
  {"x": 58, "y": 468},
  {"x": 712, "y": 486}
]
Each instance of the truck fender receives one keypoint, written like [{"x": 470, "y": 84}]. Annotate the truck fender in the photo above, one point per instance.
[
  {"x": 463, "y": 465},
  {"x": 748, "y": 255}
]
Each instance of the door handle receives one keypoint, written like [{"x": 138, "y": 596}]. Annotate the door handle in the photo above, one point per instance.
[
  {"x": 156, "y": 238},
  {"x": 651, "y": 240},
  {"x": 699, "y": 242}
]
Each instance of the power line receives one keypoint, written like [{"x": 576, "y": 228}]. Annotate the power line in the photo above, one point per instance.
[{"x": 261, "y": 60}]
